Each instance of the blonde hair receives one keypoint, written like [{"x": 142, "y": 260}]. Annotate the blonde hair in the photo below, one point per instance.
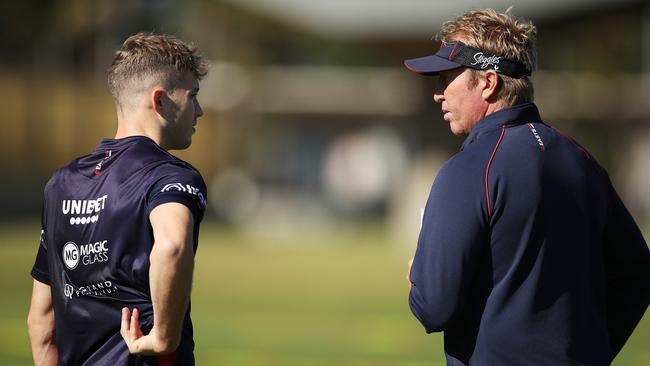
[
  {"x": 503, "y": 35},
  {"x": 147, "y": 58}
]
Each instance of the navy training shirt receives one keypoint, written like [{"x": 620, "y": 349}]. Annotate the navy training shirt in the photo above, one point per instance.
[
  {"x": 96, "y": 240},
  {"x": 526, "y": 255}
]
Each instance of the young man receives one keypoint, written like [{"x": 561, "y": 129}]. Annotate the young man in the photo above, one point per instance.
[
  {"x": 526, "y": 256},
  {"x": 113, "y": 273}
]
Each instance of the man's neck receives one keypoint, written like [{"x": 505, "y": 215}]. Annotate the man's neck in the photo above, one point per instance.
[
  {"x": 494, "y": 107},
  {"x": 138, "y": 125}
]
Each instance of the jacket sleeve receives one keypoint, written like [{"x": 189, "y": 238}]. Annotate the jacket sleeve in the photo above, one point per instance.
[
  {"x": 451, "y": 240},
  {"x": 627, "y": 273}
]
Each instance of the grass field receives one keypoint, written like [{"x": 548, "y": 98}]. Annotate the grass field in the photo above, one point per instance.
[{"x": 339, "y": 299}]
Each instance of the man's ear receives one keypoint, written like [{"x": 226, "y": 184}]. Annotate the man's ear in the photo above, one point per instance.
[
  {"x": 157, "y": 99},
  {"x": 491, "y": 81}
]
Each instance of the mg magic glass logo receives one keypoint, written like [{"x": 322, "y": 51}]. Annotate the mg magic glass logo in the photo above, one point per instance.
[
  {"x": 86, "y": 254},
  {"x": 71, "y": 255}
]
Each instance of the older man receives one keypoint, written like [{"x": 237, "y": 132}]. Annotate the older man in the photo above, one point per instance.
[
  {"x": 526, "y": 256},
  {"x": 113, "y": 273}
]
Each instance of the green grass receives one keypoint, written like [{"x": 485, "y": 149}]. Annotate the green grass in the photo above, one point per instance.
[{"x": 284, "y": 303}]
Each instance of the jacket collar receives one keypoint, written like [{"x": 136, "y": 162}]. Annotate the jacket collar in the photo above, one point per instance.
[{"x": 516, "y": 115}]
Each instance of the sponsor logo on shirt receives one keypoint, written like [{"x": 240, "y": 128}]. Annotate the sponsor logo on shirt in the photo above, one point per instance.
[
  {"x": 83, "y": 211},
  {"x": 185, "y": 188},
  {"x": 70, "y": 255},
  {"x": 98, "y": 289},
  {"x": 68, "y": 290},
  {"x": 87, "y": 254},
  {"x": 537, "y": 137}
]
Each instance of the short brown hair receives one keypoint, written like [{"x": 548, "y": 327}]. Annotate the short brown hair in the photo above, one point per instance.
[
  {"x": 501, "y": 34},
  {"x": 147, "y": 58}
]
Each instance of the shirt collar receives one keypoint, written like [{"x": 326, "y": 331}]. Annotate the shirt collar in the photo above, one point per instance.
[
  {"x": 516, "y": 115},
  {"x": 108, "y": 143}
]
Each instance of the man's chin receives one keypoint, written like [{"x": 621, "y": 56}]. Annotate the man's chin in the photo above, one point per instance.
[
  {"x": 185, "y": 145},
  {"x": 180, "y": 145},
  {"x": 456, "y": 130}
]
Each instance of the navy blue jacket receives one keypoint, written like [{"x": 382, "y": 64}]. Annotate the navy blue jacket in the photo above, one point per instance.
[
  {"x": 95, "y": 245},
  {"x": 527, "y": 256}
]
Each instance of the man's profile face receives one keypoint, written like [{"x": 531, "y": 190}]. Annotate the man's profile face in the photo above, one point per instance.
[
  {"x": 183, "y": 113},
  {"x": 461, "y": 102}
]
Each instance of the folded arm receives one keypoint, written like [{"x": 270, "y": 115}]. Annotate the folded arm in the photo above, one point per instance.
[{"x": 449, "y": 247}]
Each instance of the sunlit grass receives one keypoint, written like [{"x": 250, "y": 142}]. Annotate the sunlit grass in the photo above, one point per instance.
[{"x": 340, "y": 300}]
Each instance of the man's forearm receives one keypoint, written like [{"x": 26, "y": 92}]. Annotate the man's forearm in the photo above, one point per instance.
[
  {"x": 45, "y": 354},
  {"x": 170, "y": 280},
  {"x": 170, "y": 275},
  {"x": 41, "y": 326}
]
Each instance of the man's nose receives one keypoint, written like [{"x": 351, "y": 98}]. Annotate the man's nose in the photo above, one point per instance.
[
  {"x": 198, "y": 110},
  {"x": 438, "y": 92}
]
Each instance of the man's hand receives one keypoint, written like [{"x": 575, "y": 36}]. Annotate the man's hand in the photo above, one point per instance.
[
  {"x": 408, "y": 273},
  {"x": 138, "y": 343},
  {"x": 131, "y": 332}
]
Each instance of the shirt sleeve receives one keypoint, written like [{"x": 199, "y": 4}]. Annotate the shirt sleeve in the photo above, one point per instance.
[
  {"x": 41, "y": 270},
  {"x": 627, "y": 273},
  {"x": 181, "y": 185},
  {"x": 450, "y": 244}
]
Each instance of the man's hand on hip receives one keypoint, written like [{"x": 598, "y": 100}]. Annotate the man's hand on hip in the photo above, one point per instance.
[{"x": 138, "y": 343}]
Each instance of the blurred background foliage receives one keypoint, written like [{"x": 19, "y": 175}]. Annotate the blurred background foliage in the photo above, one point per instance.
[{"x": 318, "y": 149}]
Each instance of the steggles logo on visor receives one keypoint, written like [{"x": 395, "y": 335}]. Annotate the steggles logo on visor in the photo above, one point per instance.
[
  {"x": 477, "y": 59},
  {"x": 452, "y": 55}
]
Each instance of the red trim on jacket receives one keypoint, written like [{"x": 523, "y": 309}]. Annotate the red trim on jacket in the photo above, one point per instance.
[{"x": 487, "y": 171}]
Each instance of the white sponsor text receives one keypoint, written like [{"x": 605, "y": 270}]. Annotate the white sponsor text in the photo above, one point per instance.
[{"x": 486, "y": 62}]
